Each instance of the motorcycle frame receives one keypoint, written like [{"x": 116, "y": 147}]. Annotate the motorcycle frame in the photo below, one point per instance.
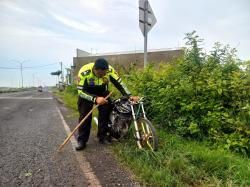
[{"x": 135, "y": 117}]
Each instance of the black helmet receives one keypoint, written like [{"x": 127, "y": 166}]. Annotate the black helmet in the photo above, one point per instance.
[{"x": 101, "y": 63}]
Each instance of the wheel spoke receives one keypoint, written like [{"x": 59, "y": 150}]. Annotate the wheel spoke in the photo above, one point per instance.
[
  {"x": 150, "y": 146},
  {"x": 148, "y": 138},
  {"x": 143, "y": 127}
]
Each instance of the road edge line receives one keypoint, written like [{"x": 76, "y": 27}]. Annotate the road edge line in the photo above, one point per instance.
[{"x": 83, "y": 163}]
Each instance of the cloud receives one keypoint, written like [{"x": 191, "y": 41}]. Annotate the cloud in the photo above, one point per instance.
[
  {"x": 90, "y": 27},
  {"x": 27, "y": 31},
  {"x": 95, "y": 5},
  {"x": 16, "y": 10},
  {"x": 10, "y": 5}
]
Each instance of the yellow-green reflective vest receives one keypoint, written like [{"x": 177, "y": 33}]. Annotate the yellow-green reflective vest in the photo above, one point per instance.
[{"x": 90, "y": 86}]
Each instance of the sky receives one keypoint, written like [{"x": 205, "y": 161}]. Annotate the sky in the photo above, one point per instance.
[{"x": 41, "y": 33}]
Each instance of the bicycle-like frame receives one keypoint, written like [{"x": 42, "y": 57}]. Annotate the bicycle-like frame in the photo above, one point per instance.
[{"x": 136, "y": 116}]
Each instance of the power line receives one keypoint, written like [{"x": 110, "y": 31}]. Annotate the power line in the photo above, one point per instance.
[
  {"x": 40, "y": 66},
  {"x": 8, "y": 68},
  {"x": 28, "y": 67}
]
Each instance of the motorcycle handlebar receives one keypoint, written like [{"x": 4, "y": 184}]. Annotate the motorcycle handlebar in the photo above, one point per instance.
[{"x": 126, "y": 98}]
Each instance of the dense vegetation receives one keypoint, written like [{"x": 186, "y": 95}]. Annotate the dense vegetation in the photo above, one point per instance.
[{"x": 201, "y": 96}]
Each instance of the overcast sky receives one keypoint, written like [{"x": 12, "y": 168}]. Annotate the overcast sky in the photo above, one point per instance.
[{"x": 42, "y": 32}]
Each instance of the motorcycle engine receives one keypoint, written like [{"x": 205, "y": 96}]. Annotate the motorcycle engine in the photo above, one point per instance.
[{"x": 121, "y": 119}]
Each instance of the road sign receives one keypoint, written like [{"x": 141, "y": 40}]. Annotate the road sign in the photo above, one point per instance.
[
  {"x": 146, "y": 16},
  {"x": 146, "y": 21}
]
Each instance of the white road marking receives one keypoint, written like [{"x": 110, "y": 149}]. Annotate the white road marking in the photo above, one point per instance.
[
  {"x": 32, "y": 98},
  {"x": 84, "y": 164},
  {"x": 6, "y": 108}
]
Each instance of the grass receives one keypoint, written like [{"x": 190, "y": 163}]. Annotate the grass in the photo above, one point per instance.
[
  {"x": 9, "y": 90},
  {"x": 70, "y": 100},
  {"x": 178, "y": 162},
  {"x": 184, "y": 163}
]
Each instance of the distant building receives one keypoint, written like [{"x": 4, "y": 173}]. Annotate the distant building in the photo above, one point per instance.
[
  {"x": 81, "y": 53},
  {"x": 126, "y": 59}
]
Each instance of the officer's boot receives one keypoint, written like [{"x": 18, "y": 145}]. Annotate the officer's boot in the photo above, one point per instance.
[{"x": 81, "y": 146}]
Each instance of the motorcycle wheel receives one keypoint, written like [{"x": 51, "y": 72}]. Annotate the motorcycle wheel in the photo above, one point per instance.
[{"x": 148, "y": 138}]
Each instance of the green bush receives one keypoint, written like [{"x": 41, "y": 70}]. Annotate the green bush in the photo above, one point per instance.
[
  {"x": 200, "y": 96},
  {"x": 71, "y": 89}
]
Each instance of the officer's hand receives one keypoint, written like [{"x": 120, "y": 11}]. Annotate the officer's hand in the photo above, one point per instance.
[
  {"x": 134, "y": 99},
  {"x": 101, "y": 101}
]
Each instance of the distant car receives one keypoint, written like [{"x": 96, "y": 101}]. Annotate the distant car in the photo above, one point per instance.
[{"x": 40, "y": 89}]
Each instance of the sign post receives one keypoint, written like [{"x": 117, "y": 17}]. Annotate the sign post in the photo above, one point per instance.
[{"x": 146, "y": 21}]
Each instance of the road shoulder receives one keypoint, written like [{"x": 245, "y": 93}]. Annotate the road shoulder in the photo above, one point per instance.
[{"x": 102, "y": 162}]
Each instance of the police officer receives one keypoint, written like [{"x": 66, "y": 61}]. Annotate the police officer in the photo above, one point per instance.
[{"x": 93, "y": 82}]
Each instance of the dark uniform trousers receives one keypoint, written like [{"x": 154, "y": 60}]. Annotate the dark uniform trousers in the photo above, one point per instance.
[{"x": 84, "y": 106}]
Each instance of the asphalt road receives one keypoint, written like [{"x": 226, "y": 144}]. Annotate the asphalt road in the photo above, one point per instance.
[{"x": 31, "y": 129}]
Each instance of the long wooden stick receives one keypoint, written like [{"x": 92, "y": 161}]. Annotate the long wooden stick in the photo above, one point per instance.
[{"x": 71, "y": 134}]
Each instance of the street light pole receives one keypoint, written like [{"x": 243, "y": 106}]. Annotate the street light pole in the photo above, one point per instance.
[
  {"x": 22, "y": 72},
  {"x": 21, "y": 67},
  {"x": 33, "y": 76}
]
